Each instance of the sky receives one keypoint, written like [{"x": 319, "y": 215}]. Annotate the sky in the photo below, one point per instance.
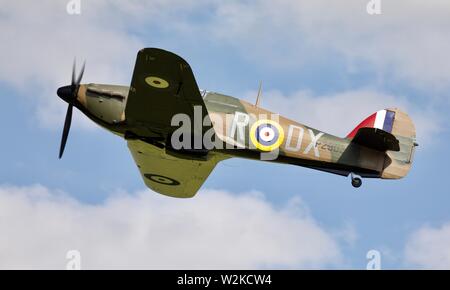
[{"x": 322, "y": 63}]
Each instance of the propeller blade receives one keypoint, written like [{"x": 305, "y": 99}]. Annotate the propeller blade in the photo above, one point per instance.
[
  {"x": 66, "y": 130},
  {"x": 73, "y": 72},
  {"x": 81, "y": 74},
  {"x": 69, "y": 97}
]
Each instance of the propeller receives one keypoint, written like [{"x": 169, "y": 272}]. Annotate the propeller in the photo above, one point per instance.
[{"x": 69, "y": 94}]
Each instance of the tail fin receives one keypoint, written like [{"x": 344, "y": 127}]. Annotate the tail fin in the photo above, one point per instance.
[{"x": 397, "y": 163}]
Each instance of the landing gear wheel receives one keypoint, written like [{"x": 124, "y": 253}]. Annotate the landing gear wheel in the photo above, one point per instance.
[{"x": 356, "y": 180}]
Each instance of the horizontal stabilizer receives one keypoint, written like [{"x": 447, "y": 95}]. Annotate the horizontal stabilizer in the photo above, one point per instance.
[{"x": 376, "y": 139}]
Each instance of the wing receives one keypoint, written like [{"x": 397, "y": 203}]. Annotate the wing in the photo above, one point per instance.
[
  {"x": 162, "y": 85},
  {"x": 169, "y": 175}
]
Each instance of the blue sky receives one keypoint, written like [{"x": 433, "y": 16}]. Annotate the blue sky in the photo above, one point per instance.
[{"x": 322, "y": 64}]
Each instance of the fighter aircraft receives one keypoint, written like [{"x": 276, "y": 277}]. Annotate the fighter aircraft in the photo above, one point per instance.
[{"x": 177, "y": 133}]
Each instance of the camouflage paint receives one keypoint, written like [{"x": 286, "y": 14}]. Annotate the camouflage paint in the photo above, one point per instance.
[{"x": 163, "y": 85}]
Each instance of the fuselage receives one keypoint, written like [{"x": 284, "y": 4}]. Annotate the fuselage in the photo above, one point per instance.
[{"x": 233, "y": 121}]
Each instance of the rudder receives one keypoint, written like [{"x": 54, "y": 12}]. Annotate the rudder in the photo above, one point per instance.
[{"x": 398, "y": 164}]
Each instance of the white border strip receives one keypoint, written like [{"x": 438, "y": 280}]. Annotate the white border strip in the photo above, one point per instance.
[{"x": 379, "y": 119}]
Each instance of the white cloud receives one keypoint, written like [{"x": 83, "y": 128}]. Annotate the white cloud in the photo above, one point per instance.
[
  {"x": 215, "y": 229},
  {"x": 429, "y": 247},
  {"x": 409, "y": 41}
]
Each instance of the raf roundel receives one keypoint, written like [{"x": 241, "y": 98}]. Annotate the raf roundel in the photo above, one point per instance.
[
  {"x": 156, "y": 82},
  {"x": 266, "y": 135},
  {"x": 161, "y": 179}
]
